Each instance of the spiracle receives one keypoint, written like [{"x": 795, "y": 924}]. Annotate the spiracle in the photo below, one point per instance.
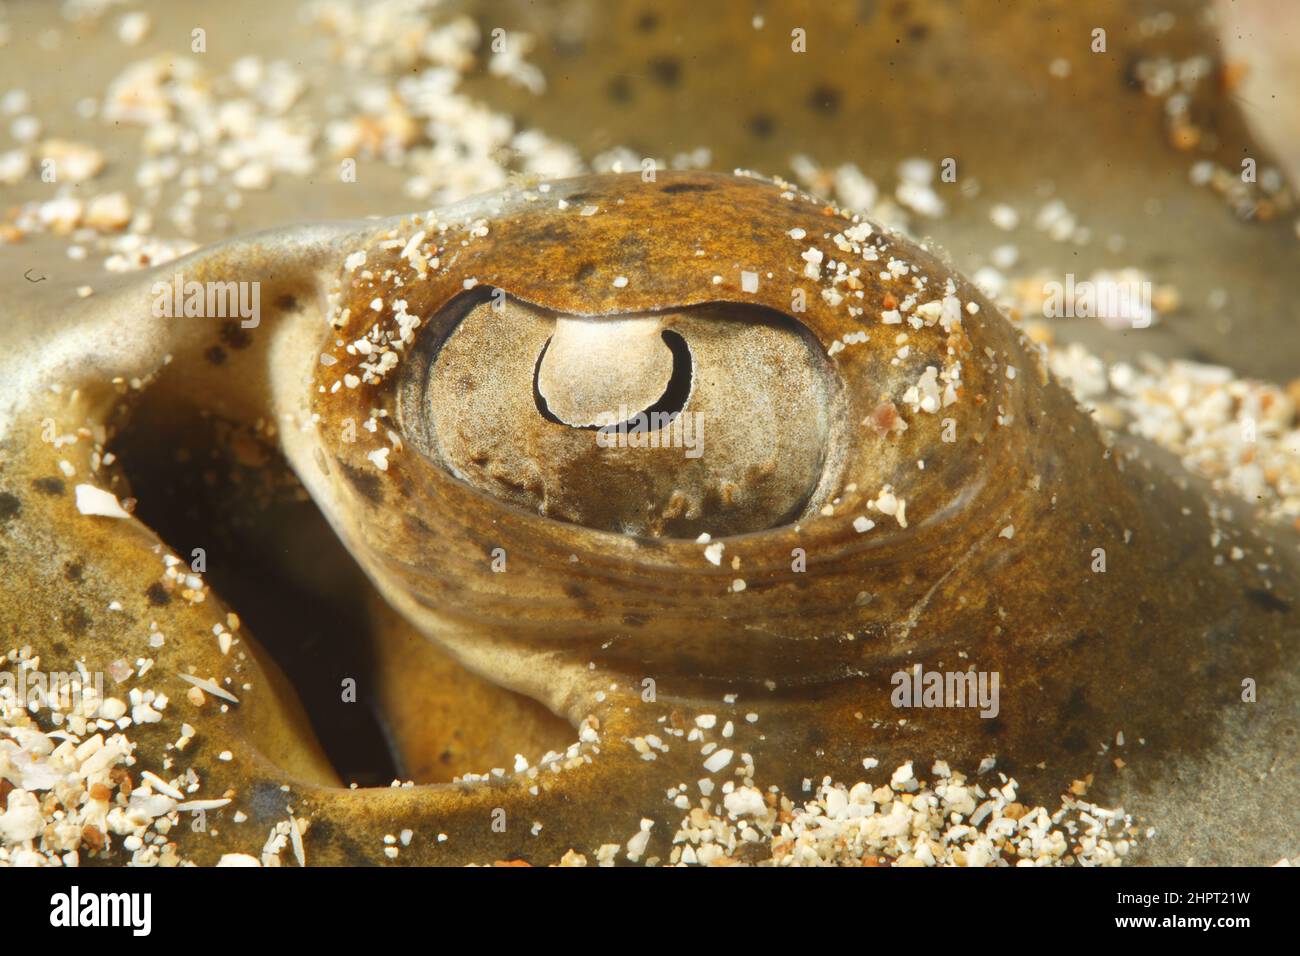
[{"x": 653, "y": 451}]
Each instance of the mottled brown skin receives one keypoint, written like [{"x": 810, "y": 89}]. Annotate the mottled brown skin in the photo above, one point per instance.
[
  {"x": 1156, "y": 647},
  {"x": 883, "y": 80}
]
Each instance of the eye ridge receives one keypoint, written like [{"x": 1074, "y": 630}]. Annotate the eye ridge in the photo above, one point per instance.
[{"x": 671, "y": 403}]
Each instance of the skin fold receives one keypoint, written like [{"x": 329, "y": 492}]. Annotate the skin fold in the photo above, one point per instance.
[{"x": 581, "y": 618}]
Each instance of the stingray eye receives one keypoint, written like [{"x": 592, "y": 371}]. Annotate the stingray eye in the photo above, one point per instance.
[
  {"x": 559, "y": 392},
  {"x": 715, "y": 417}
]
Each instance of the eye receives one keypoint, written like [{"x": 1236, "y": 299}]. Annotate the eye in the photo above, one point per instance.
[
  {"x": 715, "y": 418},
  {"x": 661, "y": 361}
]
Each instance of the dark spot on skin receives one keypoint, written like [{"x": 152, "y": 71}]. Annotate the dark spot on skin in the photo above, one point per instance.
[
  {"x": 216, "y": 355},
  {"x": 75, "y": 621},
  {"x": 366, "y": 484},
  {"x": 761, "y": 125},
  {"x": 157, "y": 595},
  {"x": 992, "y": 726},
  {"x": 918, "y": 31},
  {"x": 675, "y": 188},
  {"x": 634, "y": 620},
  {"x": 323, "y": 830},
  {"x": 49, "y": 486},
  {"x": 267, "y": 801},
  {"x": 567, "y": 45},
  {"x": 59, "y": 648},
  {"x": 73, "y": 571},
  {"x": 1130, "y": 75},
  {"x": 1075, "y": 743},
  {"x": 552, "y": 231},
  {"x": 286, "y": 303},
  {"x": 619, "y": 89},
  {"x": 584, "y": 270},
  {"x": 326, "y": 834},
  {"x": 666, "y": 70},
  {"x": 577, "y": 197},
  {"x": 576, "y": 591},
  {"x": 824, "y": 99},
  {"x": 418, "y": 525},
  {"x": 1268, "y": 601},
  {"x": 631, "y": 253},
  {"x": 234, "y": 336},
  {"x": 647, "y": 22},
  {"x": 9, "y": 506},
  {"x": 867, "y": 10},
  {"x": 1075, "y": 705}
]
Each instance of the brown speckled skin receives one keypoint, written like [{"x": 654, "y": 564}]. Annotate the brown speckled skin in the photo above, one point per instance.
[{"x": 1156, "y": 646}]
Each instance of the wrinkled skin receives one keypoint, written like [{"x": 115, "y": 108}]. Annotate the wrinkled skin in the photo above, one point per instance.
[{"x": 1156, "y": 647}]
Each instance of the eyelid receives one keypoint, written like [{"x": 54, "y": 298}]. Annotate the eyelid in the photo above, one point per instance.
[{"x": 590, "y": 366}]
